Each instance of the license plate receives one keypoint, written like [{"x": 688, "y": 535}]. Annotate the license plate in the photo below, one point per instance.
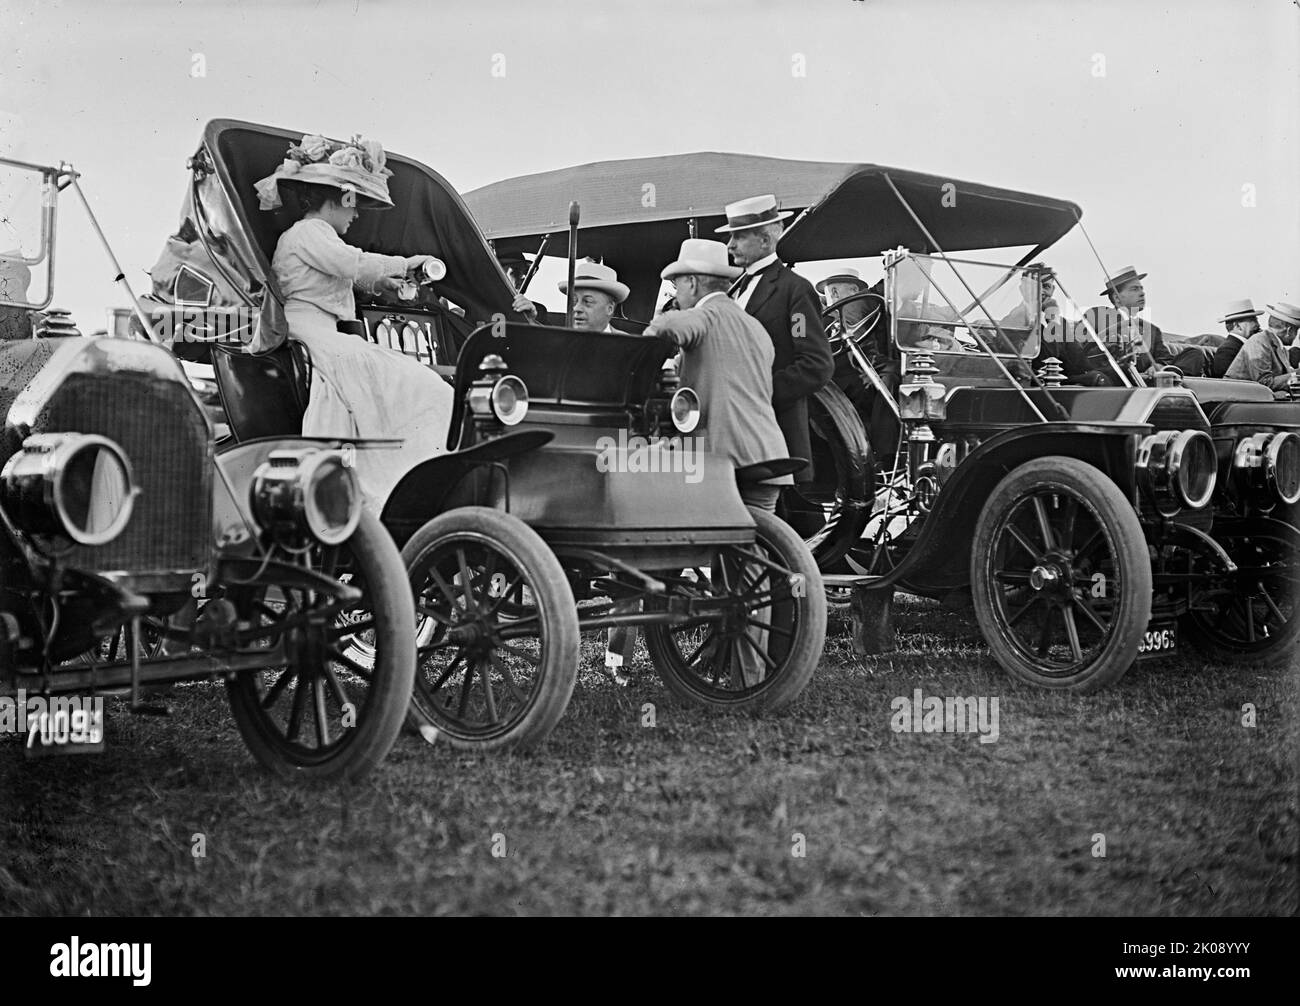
[
  {"x": 74, "y": 726},
  {"x": 1159, "y": 641}
]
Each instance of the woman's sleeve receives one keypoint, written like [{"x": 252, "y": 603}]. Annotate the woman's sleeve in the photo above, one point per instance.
[{"x": 322, "y": 249}]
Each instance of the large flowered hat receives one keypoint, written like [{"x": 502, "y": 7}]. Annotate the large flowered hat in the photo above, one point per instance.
[{"x": 355, "y": 167}]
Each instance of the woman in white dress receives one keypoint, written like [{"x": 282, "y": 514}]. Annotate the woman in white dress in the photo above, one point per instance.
[{"x": 358, "y": 390}]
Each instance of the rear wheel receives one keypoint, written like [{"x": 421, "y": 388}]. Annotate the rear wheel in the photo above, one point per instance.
[
  {"x": 762, "y": 653},
  {"x": 1060, "y": 576},
  {"x": 319, "y": 713},
  {"x": 498, "y": 667},
  {"x": 1255, "y": 613}
]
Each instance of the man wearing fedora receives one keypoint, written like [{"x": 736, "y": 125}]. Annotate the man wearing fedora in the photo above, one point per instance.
[
  {"x": 727, "y": 359},
  {"x": 1264, "y": 357},
  {"x": 1241, "y": 322},
  {"x": 597, "y": 296},
  {"x": 866, "y": 323},
  {"x": 1128, "y": 336},
  {"x": 788, "y": 308}
]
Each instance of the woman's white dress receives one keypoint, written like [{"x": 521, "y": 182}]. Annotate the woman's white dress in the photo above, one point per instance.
[{"x": 358, "y": 389}]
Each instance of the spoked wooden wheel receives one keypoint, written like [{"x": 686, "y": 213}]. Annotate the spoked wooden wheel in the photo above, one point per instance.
[
  {"x": 499, "y": 666},
  {"x": 1061, "y": 576},
  {"x": 319, "y": 713},
  {"x": 1255, "y": 613},
  {"x": 762, "y": 652}
]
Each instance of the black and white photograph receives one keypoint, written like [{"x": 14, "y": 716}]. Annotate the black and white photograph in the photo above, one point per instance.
[{"x": 671, "y": 458}]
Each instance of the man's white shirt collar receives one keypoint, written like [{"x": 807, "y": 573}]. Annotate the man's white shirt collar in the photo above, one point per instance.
[{"x": 753, "y": 269}]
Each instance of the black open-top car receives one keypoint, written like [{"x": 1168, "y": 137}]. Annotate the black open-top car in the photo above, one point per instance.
[{"x": 1089, "y": 526}]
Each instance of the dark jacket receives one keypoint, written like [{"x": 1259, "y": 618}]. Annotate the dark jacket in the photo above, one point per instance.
[
  {"x": 784, "y": 302},
  {"x": 1224, "y": 355}
]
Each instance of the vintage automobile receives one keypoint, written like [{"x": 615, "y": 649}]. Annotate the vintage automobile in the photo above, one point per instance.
[
  {"x": 1087, "y": 526},
  {"x": 573, "y": 497},
  {"x": 635, "y": 214},
  {"x": 131, "y": 556}
]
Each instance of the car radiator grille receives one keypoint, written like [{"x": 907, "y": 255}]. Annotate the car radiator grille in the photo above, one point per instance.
[{"x": 165, "y": 436}]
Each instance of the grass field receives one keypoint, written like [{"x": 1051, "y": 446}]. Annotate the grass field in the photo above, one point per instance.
[{"x": 824, "y": 809}]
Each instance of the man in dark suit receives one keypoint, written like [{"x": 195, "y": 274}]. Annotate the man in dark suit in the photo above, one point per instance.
[
  {"x": 787, "y": 306},
  {"x": 1242, "y": 322}
]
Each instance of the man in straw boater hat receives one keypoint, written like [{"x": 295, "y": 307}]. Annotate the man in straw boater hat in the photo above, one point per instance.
[
  {"x": 1241, "y": 321},
  {"x": 866, "y": 323},
  {"x": 598, "y": 294},
  {"x": 788, "y": 308},
  {"x": 1265, "y": 358},
  {"x": 1128, "y": 336},
  {"x": 727, "y": 358}
]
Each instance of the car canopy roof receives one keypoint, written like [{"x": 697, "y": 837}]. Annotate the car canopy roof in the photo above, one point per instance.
[
  {"x": 635, "y": 212},
  {"x": 428, "y": 216}
]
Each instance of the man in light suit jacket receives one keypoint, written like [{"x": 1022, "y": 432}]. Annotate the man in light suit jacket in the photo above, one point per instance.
[
  {"x": 788, "y": 307},
  {"x": 1264, "y": 357},
  {"x": 728, "y": 361}
]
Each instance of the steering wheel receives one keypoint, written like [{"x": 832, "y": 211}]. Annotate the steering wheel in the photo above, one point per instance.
[{"x": 838, "y": 309}]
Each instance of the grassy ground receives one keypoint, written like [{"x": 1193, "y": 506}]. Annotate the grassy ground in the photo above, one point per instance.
[{"x": 703, "y": 813}]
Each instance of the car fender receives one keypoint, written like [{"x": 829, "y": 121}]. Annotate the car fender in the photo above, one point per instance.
[{"x": 425, "y": 490}]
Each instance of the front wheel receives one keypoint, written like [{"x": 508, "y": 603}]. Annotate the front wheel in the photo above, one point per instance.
[
  {"x": 499, "y": 666},
  {"x": 320, "y": 714},
  {"x": 1255, "y": 612},
  {"x": 760, "y": 654},
  {"x": 1061, "y": 576}
]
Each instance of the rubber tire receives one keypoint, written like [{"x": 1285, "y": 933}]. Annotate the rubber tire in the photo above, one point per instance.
[
  {"x": 1275, "y": 653},
  {"x": 805, "y": 648},
  {"x": 556, "y": 607},
  {"x": 380, "y": 720},
  {"x": 1129, "y": 546}
]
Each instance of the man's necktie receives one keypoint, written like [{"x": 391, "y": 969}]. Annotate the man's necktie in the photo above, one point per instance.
[{"x": 742, "y": 283}]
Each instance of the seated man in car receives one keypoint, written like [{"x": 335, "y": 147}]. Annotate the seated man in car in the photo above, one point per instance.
[
  {"x": 1265, "y": 357},
  {"x": 866, "y": 324},
  {"x": 1241, "y": 321},
  {"x": 597, "y": 294},
  {"x": 1130, "y": 339}
]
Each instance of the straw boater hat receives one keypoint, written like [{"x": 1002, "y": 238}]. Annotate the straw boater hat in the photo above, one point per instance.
[
  {"x": 756, "y": 212},
  {"x": 843, "y": 276},
  {"x": 1239, "y": 310},
  {"x": 1286, "y": 312},
  {"x": 594, "y": 276},
  {"x": 699, "y": 257},
  {"x": 356, "y": 167},
  {"x": 1122, "y": 278}
]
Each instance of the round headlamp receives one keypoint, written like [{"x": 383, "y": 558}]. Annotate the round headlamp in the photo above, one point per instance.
[
  {"x": 1177, "y": 469},
  {"x": 303, "y": 495},
  {"x": 76, "y": 485},
  {"x": 684, "y": 408},
  {"x": 509, "y": 400},
  {"x": 1271, "y": 462}
]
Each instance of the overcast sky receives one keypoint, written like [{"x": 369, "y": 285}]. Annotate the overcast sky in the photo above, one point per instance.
[{"x": 1164, "y": 121}]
